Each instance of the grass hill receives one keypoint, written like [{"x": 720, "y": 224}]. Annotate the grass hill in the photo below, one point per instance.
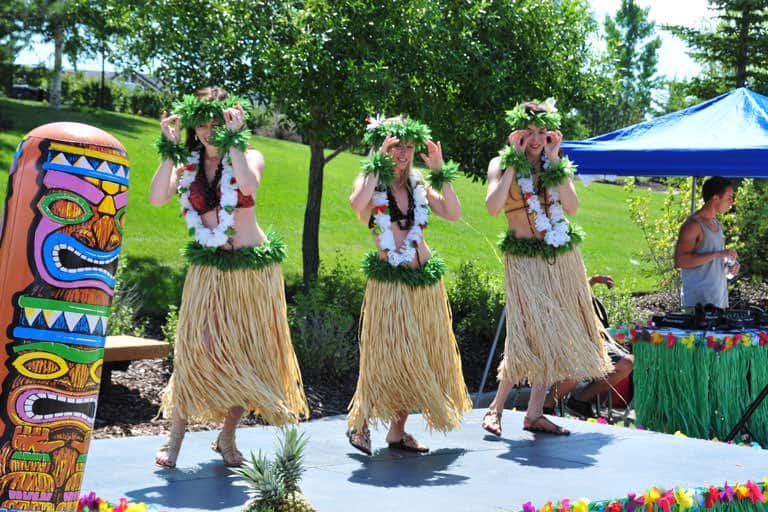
[{"x": 612, "y": 246}]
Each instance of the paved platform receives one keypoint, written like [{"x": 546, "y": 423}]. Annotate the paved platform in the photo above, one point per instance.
[{"x": 467, "y": 470}]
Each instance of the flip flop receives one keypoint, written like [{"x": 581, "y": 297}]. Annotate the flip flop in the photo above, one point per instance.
[
  {"x": 551, "y": 428},
  {"x": 408, "y": 444},
  {"x": 360, "y": 440}
]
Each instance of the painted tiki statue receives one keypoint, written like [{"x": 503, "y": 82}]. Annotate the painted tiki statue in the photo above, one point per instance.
[{"x": 60, "y": 238}]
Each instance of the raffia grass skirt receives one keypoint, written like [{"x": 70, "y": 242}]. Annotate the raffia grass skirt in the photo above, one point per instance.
[
  {"x": 409, "y": 358},
  {"x": 552, "y": 331},
  {"x": 233, "y": 348}
]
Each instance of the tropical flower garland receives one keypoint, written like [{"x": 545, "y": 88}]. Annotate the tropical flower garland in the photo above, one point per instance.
[
  {"x": 219, "y": 235},
  {"x": 92, "y": 503},
  {"x": 718, "y": 343},
  {"x": 381, "y": 215},
  {"x": 741, "y": 497}
]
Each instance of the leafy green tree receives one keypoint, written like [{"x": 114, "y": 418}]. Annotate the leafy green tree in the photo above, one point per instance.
[
  {"x": 734, "y": 53},
  {"x": 10, "y": 28},
  {"x": 625, "y": 75}
]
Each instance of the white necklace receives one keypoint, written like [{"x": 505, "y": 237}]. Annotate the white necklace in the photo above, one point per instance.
[
  {"x": 383, "y": 220},
  {"x": 224, "y": 230},
  {"x": 554, "y": 226}
]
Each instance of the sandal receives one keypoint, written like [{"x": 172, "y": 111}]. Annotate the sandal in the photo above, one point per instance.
[
  {"x": 225, "y": 446},
  {"x": 169, "y": 451},
  {"x": 492, "y": 422},
  {"x": 360, "y": 439},
  {"x": 408, "y": 444},
  {"x": 544, "y": 426}
]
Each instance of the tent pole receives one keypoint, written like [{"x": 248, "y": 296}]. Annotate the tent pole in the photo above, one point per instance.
[{"x": 693, "y": 194}]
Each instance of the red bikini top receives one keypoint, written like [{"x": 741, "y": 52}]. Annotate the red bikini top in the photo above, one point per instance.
[{"x": 199, "y": 202}]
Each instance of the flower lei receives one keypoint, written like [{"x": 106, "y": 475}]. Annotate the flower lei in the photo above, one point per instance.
[
  {"x": 219, "y": 235},
  {"x": 407, "y": 252},
  {"x": 555, "y": 227}
]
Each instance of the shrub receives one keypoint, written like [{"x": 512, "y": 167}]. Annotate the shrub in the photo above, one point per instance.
[
  {"x": 169, "y": 329},
  {"x": 125, "y": 305},
  {"x": 324, "y": 322},
  {"x": 477, "y": 298},
  {"x": 158, "y": 284},
  {"x": 750, "y": 226},
  {"x": 620, "y": 305}
]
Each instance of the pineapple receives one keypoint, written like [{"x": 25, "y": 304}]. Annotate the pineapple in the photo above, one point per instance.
[{"x": 275, "y": 483}]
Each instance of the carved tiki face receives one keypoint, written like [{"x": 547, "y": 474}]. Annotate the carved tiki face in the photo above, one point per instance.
[{"x": 68, "y": 200}]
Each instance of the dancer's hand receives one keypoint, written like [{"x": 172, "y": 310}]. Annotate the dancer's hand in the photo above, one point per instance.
[
  {"x": 519, "y": 139},
  {"x": 234, "y": 118},
  {"x": 170, "y": 126},
  {"x": 434, "y": 157},
  {"x": 389, "y": 142},
  {"x": 552, "y": 144}
]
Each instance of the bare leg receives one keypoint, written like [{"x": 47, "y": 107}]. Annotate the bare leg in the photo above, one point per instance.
[
  {"x": 534, "y": 417},
  {"x": 225, "y": 443},
  {"x": 169, "y": 451},
  {"x": 399, "y": 437},
  {"x": 558, "y": 391},
  {"x": 492, "y": 418},
  {"x": 620, "y": 371}
]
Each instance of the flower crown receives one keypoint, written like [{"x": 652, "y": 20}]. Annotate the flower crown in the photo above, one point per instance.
[
  {"x": 403, "y": 128},
  {"x": 193, "y": 111},
  {"x": 520, "y": 117}
]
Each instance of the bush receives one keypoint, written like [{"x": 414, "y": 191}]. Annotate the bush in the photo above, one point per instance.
[
  {"x": 324, "y": 323},
  {"x": 158, "y": 284},
  {"x": 169, "y": 329},
  {"x": 620, "y": 305},
  {"x": 477, "y": 298},
  {"x": 751, "y": 227},
  {"x": 84, "y": 93},
  {"x": 125, "y": 305}
]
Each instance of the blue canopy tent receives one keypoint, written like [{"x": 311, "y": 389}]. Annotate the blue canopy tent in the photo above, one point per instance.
[{"x": 725, "y": 136}]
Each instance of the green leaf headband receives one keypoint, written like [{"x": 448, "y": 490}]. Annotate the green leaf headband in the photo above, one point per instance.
[
  {"x": 520, "y": 117},
  {"x": 404, "y": 129},
  {"x": 193, "y": 111}
]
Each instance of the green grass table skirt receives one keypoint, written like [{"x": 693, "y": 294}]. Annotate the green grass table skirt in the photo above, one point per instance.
[{"x": 699, "y": 383}]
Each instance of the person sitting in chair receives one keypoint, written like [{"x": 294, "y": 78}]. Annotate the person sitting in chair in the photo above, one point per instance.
[{"x": 580, "y": 402}]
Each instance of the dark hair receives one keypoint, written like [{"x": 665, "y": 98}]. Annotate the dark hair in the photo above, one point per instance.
[
  {"x": 715, "y": 186},
  {"x": 210, "y": 94}
]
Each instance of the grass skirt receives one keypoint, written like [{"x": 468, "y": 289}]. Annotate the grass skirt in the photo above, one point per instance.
[
  {"x": 233, "y": 348},
  {"x": 409, "y": 358},
  {"x": 552, "y": 331}
]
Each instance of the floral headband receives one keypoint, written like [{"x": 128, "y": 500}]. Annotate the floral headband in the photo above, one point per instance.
[
  {"x": 403, "y": 128},
  {"x": 193, "y": 111},
  {"x": 521, "y": 116}
]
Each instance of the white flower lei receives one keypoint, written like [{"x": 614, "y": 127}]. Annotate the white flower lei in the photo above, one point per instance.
[
  {"x": 554, "y": 227},
  {"x": 407, "y": 252},
  {"x": 218, "y": 235}
]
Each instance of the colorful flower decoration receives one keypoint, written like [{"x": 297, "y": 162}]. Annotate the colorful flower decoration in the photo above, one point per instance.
[{"x": 92, "y": 503}]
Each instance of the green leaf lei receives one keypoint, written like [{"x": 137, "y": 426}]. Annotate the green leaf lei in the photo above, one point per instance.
[
  {"x": 538, "y": 248},
  {"x": 447, "y": 174},
  {"x": 382, "y": 164},
  {"x": 273, "y": 250},
  {"x": 225, "y": 139},
  {"x": 177, "y": 153},
  {"x": 555, "y": 175},
  {"x": 405, "y": 130},
  {"x": 375, "y": 268}
]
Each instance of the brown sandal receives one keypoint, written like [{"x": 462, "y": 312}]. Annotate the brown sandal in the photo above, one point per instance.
[
  {"x": 360, "y": 439},
  {"x": 225, "y": 446},
  {"x": 494, "y": 425},
  {"x": 547, "y": 427},
  {"x": 408, "y": 444}
]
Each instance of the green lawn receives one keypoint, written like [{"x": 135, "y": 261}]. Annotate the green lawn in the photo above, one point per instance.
[{"x": 613, "y": 244}]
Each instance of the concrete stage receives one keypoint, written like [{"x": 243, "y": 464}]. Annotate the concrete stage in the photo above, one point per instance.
[{"x": 467, "y": 470}]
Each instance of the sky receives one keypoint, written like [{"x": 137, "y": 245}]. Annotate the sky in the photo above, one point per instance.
[{"x": 673, "y": 60}]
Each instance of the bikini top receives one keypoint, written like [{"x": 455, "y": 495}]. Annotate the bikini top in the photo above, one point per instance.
[
  {"x": 515, "y": 200},
  {"x": 202, "y": 205}
]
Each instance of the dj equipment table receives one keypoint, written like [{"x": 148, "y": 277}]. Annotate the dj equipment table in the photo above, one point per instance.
[{"x": 699, "y": 382}]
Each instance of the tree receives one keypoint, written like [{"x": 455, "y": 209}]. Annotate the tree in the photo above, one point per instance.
[
  {"x": 10, "y": 27},
  {"x": 328, "y": 65},
  {"x": 625, "y": 75},
  {"x": 735, "y": 52}
]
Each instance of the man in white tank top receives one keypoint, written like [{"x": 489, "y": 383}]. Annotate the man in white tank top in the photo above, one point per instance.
[{"x": 700, "y": 253}]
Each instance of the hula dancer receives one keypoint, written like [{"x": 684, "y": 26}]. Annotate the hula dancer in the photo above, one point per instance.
[
  {"x": 233, "y": 349},
  {"x": 553, "y": 333},
  {"x": 409, "y": 359}
]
